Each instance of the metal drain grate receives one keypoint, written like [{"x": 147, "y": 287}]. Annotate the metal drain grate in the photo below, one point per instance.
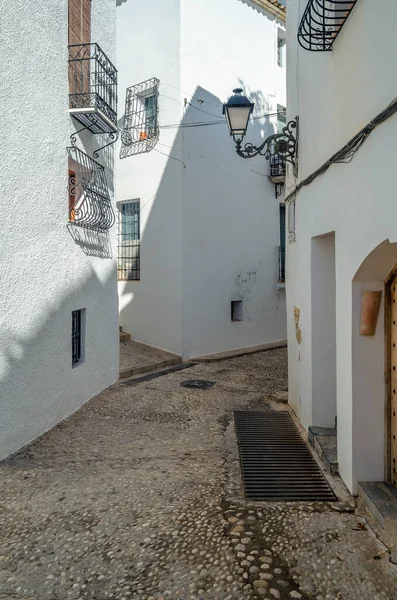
[
  {"x": 276, "y": 463},
  {"x": 197, "y": 384}
]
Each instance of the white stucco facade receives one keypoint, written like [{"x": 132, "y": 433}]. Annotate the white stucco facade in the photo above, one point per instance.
[
  {"x": 209, "y": 219},
  {"x": 345, "y": 238},
  {"x": 45, "y": 274}
]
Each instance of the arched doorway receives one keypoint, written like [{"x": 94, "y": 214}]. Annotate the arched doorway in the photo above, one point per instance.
[{"x": 374, "y": 361}]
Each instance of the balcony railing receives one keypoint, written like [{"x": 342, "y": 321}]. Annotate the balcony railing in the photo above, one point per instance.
[
  {"x": 92, "y": 88},
  {"x": 281, "y": 264},
  {"x": 89, "y": 199},
  {"x": 322, "y": 22}
]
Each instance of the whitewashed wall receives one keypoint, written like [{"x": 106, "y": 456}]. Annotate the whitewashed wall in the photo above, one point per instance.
[
  {"x": 230, "y": 213},
  {"x": 336, "y": 94},
  {"x": 209, "y": 224},
  {"x": 44, "y": 273},
  {"x": 150, "y": 47}
]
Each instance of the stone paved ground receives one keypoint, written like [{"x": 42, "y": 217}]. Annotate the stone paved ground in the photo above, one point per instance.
[
  {"x": 138, "y": 497},
  {"x": 134, "y": 354}
]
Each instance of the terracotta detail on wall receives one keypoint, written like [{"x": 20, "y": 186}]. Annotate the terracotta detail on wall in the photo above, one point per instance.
[{"x": 370, "y": 304}]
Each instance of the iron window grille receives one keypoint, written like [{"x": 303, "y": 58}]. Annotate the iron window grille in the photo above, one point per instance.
[
  {"x": 281, "y": 264},
  {"x": 321, "y": 23},
  {"x": 277, "y": 166},
  {"x": 77, "y": 337},
  {"x": 129, "y": 242},
  {"x": 89, "y": 199},
  {"x": 140, "y": 132},
  {"x": 92, "y": 88}
]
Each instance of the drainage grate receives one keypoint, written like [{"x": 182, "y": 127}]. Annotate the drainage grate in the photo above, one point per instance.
[
  {"x": 197, "y": 384},
  {"x": 276, "y": 463}
]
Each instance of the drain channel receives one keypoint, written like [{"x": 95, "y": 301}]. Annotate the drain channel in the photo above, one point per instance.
[{"x": 276, "y": 463}]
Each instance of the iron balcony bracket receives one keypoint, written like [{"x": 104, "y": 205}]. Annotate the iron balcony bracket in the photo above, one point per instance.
[
  {"x": 283, "y": 145},
  {"x": 114, "y": 136},
  {"x": 93, "y": 121}
]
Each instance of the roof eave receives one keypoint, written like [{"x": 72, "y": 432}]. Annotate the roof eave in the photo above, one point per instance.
[{"x": 271, "y": 8}]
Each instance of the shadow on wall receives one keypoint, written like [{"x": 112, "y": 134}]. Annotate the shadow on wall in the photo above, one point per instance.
[
  {"x": 92, "y": 243},
  {"x": 215, "y": 180},
  {"x": 39, "y": 387}
]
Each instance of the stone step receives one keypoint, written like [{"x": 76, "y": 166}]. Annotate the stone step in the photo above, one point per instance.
[
  {"x": 155, "y": 366},
  {"x": 324, "y": 442},
  {"x": 380, "y": 500},
  {"x": 124, "y": 336}
]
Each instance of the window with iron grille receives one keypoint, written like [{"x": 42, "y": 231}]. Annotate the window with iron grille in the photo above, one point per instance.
[
  {"x": 78, "y": 322},
  {"x": 281, "y": 248},
  {"x": 129, "y": 241},
  {"x": 140, "y": 131}
]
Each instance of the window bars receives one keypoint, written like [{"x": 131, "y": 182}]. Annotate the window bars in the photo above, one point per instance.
[
  {"x": 281, "y": 264},
  {"x": 140, "y": 131},
  {"x": 92, "y": 88},
  {"x": 129, "y": 245},
  {"x": 321, "y": 23},
  {"x": 76, "y": 337},
  {"x": 277, "y": 166},
  {"x": 89, "y": 199}
]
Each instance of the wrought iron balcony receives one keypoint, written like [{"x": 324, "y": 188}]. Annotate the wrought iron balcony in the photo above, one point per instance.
[
  {"x": 321, "y": 23},
  {"x": 277, "y": 169},
  {"x": 281, "y": 264},
  {"x": 92, "y": 88},
  {"x": 89, "y": 199}
]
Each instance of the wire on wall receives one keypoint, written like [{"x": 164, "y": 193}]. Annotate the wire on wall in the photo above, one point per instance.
[{"x": 347, "y": 153}]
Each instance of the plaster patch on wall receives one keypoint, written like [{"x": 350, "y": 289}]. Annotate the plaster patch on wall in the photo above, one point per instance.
[
  {"x": 245, "y": 281},
  {"x": 298, "y": 332}
]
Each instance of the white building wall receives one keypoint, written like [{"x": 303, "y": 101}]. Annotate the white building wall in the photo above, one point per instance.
[
  {"x": 149, "y": 47},
  {"x": 335, "y": 94},
  {"x": 209, "y": 224},
  {"x": 45, "y": 275},
  {"x": 230, "y": 214}
]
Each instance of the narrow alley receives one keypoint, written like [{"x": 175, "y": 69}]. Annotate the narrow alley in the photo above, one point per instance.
[{"x": 138, "y": 496}]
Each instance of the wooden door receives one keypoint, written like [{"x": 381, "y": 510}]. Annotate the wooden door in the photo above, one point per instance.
[
  {"x": 79, "y": 18},
  {"x": 393, "y": 381}
]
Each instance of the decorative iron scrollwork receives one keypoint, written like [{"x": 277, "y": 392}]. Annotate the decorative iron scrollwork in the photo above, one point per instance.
[
  {"x": 140, "y": 131},
  {"x": 92, "y": 86},
  {"x": 283, "y": 145},
  {"x": 91, "y": 203},
  {"x": 114, "y": 136},
  {"x": 321, "y": 23}
]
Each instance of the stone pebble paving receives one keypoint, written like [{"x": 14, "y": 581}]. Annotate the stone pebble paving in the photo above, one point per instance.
[{"x": 135, "y": 497}]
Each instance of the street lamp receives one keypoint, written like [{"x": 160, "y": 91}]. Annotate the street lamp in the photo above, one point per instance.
[
  {"x": 283, "y": 145},
  {"x": 237, "y": 111}
]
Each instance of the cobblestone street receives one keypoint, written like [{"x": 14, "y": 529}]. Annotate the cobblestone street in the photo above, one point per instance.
[{"x": 138, "y": 496}]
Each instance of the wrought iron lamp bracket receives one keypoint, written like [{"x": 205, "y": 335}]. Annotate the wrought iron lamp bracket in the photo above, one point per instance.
[
  {"x": 113, "y": 136},
  {"x": 283, "y": 145}
]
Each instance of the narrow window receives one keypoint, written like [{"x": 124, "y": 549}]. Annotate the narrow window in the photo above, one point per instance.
[
  {"x": 129, "y": 244},
  {"x": 281, "y": 117},
  {"x": 78, "y": 325},
  {"x": 72, "y": 193},
  {"x": 149, "y": 113},
  {"x": 237, "y": 310},
  {"x": 281, "y": 248},
  {"x": 291, "y": 221},
  {"x": 280, "y": 48}
]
